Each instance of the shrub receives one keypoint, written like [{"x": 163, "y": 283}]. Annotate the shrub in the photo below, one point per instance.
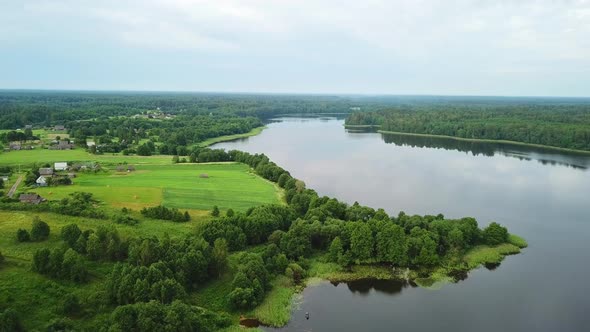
[
  {"x": 9, "y": 321},
  {"x": 125, "y": 219},
  {"x": 215, "y": 212},
  {"x": 70, "y": 234},
  {"x": 40, "y": 230},
  {"x": 162, "y": 212},
  {"x": 495, "y": 234},
  {"x": 22, "y": 235},
  {"x": 71, "y": 305}
]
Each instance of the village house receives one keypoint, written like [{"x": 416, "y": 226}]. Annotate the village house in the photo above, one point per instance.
[
  {"x": 42, "y": 181},
  {"x": 5, "y": 179},
  {"x": 46, "y": 171},
  {"x": 61, "y": 145},
  {"x": 59, "y": 128},
  {"x": 31, "y": 198},
  {"x": 60, "y": 166},
  {"x": 28, "y": 127}
]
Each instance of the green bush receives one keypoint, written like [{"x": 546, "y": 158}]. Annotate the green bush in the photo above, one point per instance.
[
  {"x": 22, "y": 235},
  {"x": 40, "y": 230},
  {"x": 495, "y": 234}
]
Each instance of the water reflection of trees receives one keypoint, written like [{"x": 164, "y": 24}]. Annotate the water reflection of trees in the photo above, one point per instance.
[
  {"x": 521, "y": 152},
  {"x": 364, "y": 286}
]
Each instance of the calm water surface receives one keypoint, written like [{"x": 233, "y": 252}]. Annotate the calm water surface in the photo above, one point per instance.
[{"x": 539, "y": 194}]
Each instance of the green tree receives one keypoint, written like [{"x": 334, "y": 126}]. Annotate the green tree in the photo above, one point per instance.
[
  {"x": 40, "y": 230},
  {"x": 10, "y": 321},
  {"x": 230, "y": 213},
  {"x": 391, "y": 243},
  {"x": 283, "y": 179},
  {"x": 70, "y": 234},
  {"x": 22, "y": 235},
  {"x": 220, "y": 253},
  {"x": 71, "y": 305},
  {"x": 295, "y": 272},
  {"x": 336, "y": 249},
  {"x": 495, "y": 234},
  {"x": 361, "y": 242},
  {"x": 422, "y": 246},
  {"x": 455, "y": 239},
  {"x": 215, "y": 211},
  {"x": 94, "y": 247},
  {"x": 41, "y": 261},
  {"x": 144, "y": 150}
]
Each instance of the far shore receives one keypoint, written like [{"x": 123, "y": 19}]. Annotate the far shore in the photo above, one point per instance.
[{"x": 483, "y": 140}]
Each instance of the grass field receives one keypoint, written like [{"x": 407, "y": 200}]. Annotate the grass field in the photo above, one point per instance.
[
  {"x": 27, "y": 157},
  {"x": 229, "y": 185}
]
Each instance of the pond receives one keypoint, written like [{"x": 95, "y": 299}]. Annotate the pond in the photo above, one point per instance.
[{"x": 540, "y": 194}]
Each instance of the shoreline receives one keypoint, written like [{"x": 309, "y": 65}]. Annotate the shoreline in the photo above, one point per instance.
[
  {"x": 210, "y": 141},
  {"x": 482, "y": 140},
  {"x": 285, "y": 297}
]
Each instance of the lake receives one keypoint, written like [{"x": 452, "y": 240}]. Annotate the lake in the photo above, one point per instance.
[{"x": 540, "y": 194}]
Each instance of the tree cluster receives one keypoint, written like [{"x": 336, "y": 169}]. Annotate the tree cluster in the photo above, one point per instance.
[
  {"x": 164, "y": 213},
  {"x": 155, "y": 316},
  {"x": 39, "y": 231},
  {"x": 62, "y": 263}
]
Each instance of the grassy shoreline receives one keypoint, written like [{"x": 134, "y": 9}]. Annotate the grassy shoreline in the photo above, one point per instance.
[
  {"x": 226, "y": 138},
  {"x": 278, "y": 305},
  {"x": 482, "y": 140}
]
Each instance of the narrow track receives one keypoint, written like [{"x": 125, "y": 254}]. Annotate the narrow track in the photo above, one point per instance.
[{"x": 14, "y": 186}]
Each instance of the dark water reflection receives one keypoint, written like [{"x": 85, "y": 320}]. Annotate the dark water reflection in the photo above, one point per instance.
[
  {"x": 540, "y": 194},
  {"x": 366, "y": 286},
  {"x": 543, "y": 155}
]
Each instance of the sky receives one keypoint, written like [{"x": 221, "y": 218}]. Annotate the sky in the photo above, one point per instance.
[{"x": 478, "y": 47}]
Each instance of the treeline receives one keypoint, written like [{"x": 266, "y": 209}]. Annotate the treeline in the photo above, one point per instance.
[
  {"x": 146, "y": 137},
  {"x": 46, "y": 108},
  {"x": 77, "y": 204},
  {"x": 564, "y": 126},
  {"x": 164, "y": 213}
]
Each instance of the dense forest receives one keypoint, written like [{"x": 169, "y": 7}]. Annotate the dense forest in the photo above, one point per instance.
[
  {"x": 556, "y": 125},
  {"x": 49, "y": 108}
]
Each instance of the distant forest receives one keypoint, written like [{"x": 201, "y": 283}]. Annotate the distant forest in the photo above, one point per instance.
[
  {"x": 563, "y": 125},
  {"x": 118, "y": 120},
  {"x": 48, "y": 108}
]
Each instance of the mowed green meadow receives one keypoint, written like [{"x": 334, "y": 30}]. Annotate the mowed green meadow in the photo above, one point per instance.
[
  {"x": 27, "y": 157},
  {"x": 227, "y": 185}
]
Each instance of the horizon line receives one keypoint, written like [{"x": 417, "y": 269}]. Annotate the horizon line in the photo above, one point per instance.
[{"x": 333, "y": 94}]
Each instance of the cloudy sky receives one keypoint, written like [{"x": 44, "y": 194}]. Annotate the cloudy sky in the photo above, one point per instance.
[{"x": 478, "y": 47}]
